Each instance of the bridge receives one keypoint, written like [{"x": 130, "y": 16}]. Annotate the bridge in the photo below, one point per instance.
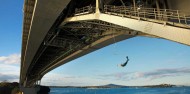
[{"x": 58, "y": 31}]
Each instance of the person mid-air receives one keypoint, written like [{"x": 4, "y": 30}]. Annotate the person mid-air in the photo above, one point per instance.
[{"x": 124, "y": 64}]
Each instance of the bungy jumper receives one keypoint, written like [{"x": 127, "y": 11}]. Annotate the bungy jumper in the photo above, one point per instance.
[{"x": 124, "y": 64}]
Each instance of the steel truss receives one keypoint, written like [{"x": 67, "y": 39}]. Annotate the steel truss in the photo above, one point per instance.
[{"x": 71, "y": 37}]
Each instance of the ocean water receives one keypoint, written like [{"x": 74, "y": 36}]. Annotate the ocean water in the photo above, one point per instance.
[{"x": 174, "y": 90}]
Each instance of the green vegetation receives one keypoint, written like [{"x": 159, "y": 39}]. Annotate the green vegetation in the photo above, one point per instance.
[{"x": 9, "y": 88}]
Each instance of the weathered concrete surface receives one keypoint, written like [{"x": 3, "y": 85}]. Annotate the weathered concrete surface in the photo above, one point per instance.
[{"x": 44, "y": 16}]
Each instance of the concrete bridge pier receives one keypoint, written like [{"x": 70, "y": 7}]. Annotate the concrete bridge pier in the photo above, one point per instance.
[
  {"x": 32, "y": 90},
  {"x": 36, "y": 90}
]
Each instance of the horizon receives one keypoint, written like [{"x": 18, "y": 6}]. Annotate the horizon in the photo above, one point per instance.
[
  {"x": 5, "y": 81},
  {"x": 152, "y": 61},
  {"x": 121, "y": 85}
]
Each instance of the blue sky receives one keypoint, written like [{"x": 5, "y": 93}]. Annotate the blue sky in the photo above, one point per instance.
[{"x": 152, "y": 61}]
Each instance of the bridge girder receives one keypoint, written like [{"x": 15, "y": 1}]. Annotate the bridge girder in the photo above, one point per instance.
[
  {"x": 130, "y": 27},
  {"x": 83, "y": 32},
  {"x": 70, "y": 39}
]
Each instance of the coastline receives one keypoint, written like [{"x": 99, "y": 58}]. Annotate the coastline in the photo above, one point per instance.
[{"x": 118, "y": 86}]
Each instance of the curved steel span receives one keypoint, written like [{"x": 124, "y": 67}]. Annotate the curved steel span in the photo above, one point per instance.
[{"x": 58, "y": 31}]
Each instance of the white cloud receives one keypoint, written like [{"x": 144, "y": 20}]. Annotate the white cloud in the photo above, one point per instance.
[
  {"x": 55, "y": 79},
  {"x": 9, "y": 72},
  {"x": 8, "y": 77},
  {"x": 151, "y": 75},
  {"x": 11, "y": 59},
  {"x": 10, "y": 67},
  {"x": 160, "y": 73},
  {"x": 132, "y": 78}
]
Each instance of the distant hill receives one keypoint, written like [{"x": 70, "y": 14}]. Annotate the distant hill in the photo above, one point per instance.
[
  {"x": 102, "y": 86},
  {"x": 160, "y": 86},
  {"x": 117, "y": 86},
  {"x": 113, "y": 85}
]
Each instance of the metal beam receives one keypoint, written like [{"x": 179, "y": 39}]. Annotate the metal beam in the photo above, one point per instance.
[
  {"x": 177, "y": 34},
  {"x": 102, "y": 42},
  {"x": 97, "y": 6}
]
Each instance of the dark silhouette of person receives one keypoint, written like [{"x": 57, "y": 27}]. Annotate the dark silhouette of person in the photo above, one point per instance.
[{"x": 124, "y": 64}]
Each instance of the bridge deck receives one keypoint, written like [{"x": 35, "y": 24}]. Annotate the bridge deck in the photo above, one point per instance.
[{"x": 163, "y": 16}]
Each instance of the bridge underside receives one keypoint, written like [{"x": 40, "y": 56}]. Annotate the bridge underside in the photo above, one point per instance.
[
  {"x": 75, "y": 39},
  {"x": 80, "y": 29}
]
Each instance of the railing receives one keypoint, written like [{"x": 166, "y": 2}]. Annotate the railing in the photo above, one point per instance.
[
  {"x": 84, "y": 10},
  {"x": 172, "y": 17},
  {"x": 168, "y": 15}
]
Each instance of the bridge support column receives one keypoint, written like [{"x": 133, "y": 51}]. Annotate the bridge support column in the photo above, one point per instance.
[
  {"x": 158, "y": 9},
  {"x": 32, "y": 90},
  {"x": 134, "y": 5},
  {"x": 97, "y": 6},
  {"x": 36, "y": 90}
]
